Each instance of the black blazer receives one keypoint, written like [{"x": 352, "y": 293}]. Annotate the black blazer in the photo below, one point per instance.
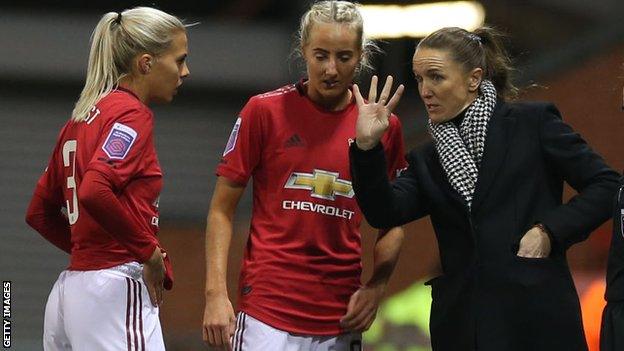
[
  {"x": 615, "y": 263},
  {"x": 488, "y": 298}
]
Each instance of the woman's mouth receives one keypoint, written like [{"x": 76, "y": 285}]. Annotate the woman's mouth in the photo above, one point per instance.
[
  {"x": 432, "y": 107},
  {"x": 329, "y": 84}
]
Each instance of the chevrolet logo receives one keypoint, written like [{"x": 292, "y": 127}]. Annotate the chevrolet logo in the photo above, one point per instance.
[{"x": 324, "y": 184}]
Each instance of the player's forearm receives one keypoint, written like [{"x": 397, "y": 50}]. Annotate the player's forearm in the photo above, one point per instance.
[
  {"x": 386, "y": 255},
  {"x": 48, "y": 220},
  {"x": 218, "y": 238},
  {"x": 97, "y": 197}
]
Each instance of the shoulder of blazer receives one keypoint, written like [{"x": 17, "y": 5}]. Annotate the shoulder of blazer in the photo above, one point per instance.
[{"x": 525, "y": 109}]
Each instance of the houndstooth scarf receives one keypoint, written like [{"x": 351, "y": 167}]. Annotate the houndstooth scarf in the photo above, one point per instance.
[{"x": 461, "y": 149}]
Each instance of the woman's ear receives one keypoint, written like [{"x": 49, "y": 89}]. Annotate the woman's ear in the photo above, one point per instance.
[
  {"x": 474, "y": 79},
  {"x": 144, "y": 63}
]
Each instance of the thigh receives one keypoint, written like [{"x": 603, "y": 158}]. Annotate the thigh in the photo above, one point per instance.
[
  {"x": 254, "y": 335},
  {"x": 107, "y": 310},
  {"x": 54, "y": 337}
]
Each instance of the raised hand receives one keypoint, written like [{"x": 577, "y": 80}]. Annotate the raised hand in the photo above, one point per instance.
[{"x": 373, "y": 114}]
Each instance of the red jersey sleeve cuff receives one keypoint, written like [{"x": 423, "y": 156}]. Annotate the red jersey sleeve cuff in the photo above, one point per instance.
[
  {"x": 145, "y": 253},
  {"x": 232, "y": 175}
]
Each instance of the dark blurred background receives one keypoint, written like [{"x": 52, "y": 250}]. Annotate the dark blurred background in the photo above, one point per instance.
[{"x": 566, "y": 51}]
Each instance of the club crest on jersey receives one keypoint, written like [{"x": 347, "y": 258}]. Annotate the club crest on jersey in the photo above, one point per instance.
[
  {"x": 323, "y": 184},
  {"x": 119, "y": 141},
  {"x": 233, "y": 136}
]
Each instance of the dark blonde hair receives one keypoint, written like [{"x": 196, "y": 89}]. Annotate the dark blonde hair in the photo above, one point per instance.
[
  {"x": 341, "y": 12},
  {"x": 483, "y": 49}
]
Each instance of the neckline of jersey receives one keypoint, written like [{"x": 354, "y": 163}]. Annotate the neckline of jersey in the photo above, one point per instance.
[{"x": 128, "y": 91}]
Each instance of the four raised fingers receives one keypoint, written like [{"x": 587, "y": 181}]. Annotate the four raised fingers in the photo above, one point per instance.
[{"x": 385, "y": 93}]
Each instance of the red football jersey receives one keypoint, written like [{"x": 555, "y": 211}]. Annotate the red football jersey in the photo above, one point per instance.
[
  {"x": 302, "y": 261},
  {"x": 116, "y": 140}
]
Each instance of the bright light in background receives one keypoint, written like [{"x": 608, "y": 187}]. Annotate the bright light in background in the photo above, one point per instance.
[{"x": 417, "y": 21}]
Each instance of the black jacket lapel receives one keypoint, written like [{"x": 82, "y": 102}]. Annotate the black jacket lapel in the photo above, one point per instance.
[
  {"x": 496, "y": 144},
  {"x": 439, "y": 177}
]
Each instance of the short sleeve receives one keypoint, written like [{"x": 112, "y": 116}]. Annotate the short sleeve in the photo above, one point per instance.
[
  {"x": 122, "y": 145},
  {"x": 243, "y": 150},
  {"x": 394, "y": 148}
]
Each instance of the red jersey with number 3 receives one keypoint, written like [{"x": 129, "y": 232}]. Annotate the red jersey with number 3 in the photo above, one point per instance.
[
  {"x": 117, "y": 141},
  {"x": 302, "y": 261}
]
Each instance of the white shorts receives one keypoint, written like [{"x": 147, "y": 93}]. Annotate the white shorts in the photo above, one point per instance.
[
  {"x": 254, "y": 335},
  {"x": 107, "y": 309}
]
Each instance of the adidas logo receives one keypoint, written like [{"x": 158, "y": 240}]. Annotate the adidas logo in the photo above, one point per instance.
[{"x": 294, "y": 141}]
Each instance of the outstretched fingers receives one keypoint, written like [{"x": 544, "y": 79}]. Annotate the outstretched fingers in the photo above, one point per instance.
[
  {"x": 359, "y": 100},
  {"x": 372, "y": 92},
  {"x": 385, "y": 93},
  {"x": 394, "y": 101},
  {"x": 383, "y": 97}
]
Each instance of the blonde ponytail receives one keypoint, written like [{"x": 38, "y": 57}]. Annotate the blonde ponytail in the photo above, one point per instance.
[{"x": 116, "y": 40}]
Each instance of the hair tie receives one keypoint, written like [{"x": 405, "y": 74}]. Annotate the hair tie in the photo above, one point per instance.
[
  {"x": 118, "y": 19},
  {"x": 474, "y": 37}
]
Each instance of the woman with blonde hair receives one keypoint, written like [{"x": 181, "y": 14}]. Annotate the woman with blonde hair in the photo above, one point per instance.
[
  {"x": 299, "y": 286},
  {"x": 98, "y": 198}
]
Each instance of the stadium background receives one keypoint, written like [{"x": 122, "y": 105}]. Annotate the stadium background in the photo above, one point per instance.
[{"x": 570, "y": 52}]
